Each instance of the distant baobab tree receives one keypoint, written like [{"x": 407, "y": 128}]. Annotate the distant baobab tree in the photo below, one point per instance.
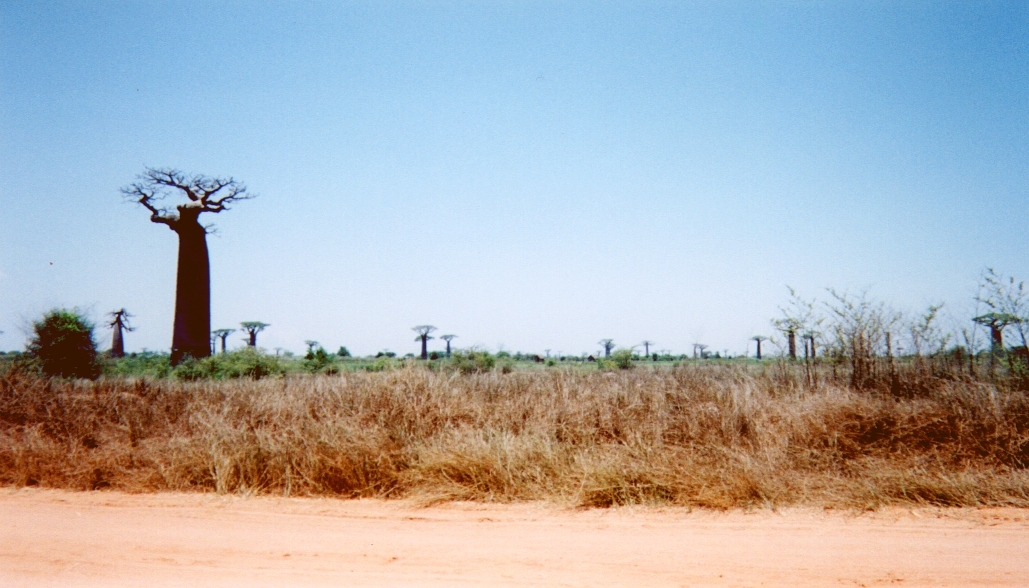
[
  {"x": 646, "y": 347},
  {"x": 423, "y": 336},
  {"x": 701, "y": 347},
  {"x": 448, "y": 339},
  {"x": 997, "y": 322},
  {"x": 223, "y": 334},
  {"x": 119, "y": 322},
  {"x": 608, "y": 344},
  {"x": 253, "y": 328},
  {"x": 758, "y": 339},
  {"x": 192, "y": 328},
  {"x": 310, "y": 345}
]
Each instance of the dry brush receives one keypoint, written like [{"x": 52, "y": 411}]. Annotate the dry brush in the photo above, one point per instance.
[{"x": 716, "y": 436}]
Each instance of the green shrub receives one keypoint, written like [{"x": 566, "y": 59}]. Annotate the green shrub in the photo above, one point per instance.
[
  {"x": 62, "y": 345},
  {"x": 470, "y": 362},
  {"x": 381, "y": 364},
  {"x": 191, "y": 369},
  {"x": 622, "y": 358},
  {"x": 319, "y": 361},
  {"x": 247, "y": 362},
  {"x": 244, "y": 363},
  {"x": 147, "y": 363}
]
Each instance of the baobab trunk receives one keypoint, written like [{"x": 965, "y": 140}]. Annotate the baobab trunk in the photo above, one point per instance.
[
  {"x": 793, "y": 344},
  {"x": 117, "y": 343},
  {"x": 425, "y": 348},
  {"x": 192, "y": 330},
  {"x": 997, "y": 337}
]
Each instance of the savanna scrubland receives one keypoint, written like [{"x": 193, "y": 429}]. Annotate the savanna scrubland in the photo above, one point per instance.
[
  {"x": 702, "y": 433},
  {"x": 880, "y": 410}
]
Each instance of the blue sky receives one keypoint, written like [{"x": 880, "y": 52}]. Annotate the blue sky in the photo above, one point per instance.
[{"x": 526, "y": 176}]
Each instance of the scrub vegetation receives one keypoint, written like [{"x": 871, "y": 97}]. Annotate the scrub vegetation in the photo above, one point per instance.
[
  {"x": 880, "y": 409},
  {"x": 705, "y": 434}
]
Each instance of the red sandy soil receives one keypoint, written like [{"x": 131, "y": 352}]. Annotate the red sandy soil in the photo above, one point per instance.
[{"x": 59, "y": 538}]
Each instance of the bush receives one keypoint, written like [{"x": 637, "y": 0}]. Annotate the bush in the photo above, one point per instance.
[
  {"x": 63, "y": 346},
  {"x": 147, "y": 363},
  {"x": 243, "y": 363},
  {"x": 470, "y": 362},
  {"x": 622, "y": 358},
  {"x": 319, "y": 361}
]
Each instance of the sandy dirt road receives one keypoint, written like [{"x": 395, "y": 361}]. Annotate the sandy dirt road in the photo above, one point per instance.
[{"x": 56, "y": 538}]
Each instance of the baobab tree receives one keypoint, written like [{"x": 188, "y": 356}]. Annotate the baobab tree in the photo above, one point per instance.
[
  {"x": 119, "y": 322},
  {"x": 646, "y": 347},
  {"x": 192, "y": 327},
  {"x": 608, "y": 344},
  {"x": 310, "y": 345},
  {"x": 448, "y": 339},
  {"x": 701, "y": 347},
  {"x": 223, "y": 334},
  {"x": 997, "y": 322},
  {"x": 253, "y": 328},
  {"x": 423, "y": 336},
  {"x": 758, "y": 339}
]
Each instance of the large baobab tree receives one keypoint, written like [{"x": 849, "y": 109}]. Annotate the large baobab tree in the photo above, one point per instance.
[
  {"x": 448, "y": 339},
  {"x": 119, "y": 322},
  {"x": 253, "y": 328},
  {"x": 423, "y": 336},
  {"x": 758, "y": 339},
  {"x": 608, "y": 344},
  {"x": 223, "y": 334},
  {"x": 196, "y": 194}
]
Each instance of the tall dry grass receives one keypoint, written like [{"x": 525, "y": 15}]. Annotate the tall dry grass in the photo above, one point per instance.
[{"x": 707, "y": 436}]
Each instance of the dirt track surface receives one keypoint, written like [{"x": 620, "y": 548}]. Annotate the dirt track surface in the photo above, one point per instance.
[{"x": 55, "y": 538}]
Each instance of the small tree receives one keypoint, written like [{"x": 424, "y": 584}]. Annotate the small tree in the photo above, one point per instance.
[
  {"x": 223, "y": 334},
  {"x": 608, "y": 345},
  {"x": 119, "y": 322},
  {"x": 448, "y": 339},
  {"x": 343, "y": 351},
  {"x": 62, "y": 345},
  {"x": 253, "y": 328},
  {"x": 423, "y": 336}
]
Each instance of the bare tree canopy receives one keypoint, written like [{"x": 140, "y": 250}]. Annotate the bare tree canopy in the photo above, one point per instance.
[{"x": 201, "y": 193}]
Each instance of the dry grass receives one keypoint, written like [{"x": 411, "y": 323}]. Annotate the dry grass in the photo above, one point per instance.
[{"x": 706, "y": 436}]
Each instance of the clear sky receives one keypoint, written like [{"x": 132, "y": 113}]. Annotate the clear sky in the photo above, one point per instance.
[{"x": 525, "y": 175}]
